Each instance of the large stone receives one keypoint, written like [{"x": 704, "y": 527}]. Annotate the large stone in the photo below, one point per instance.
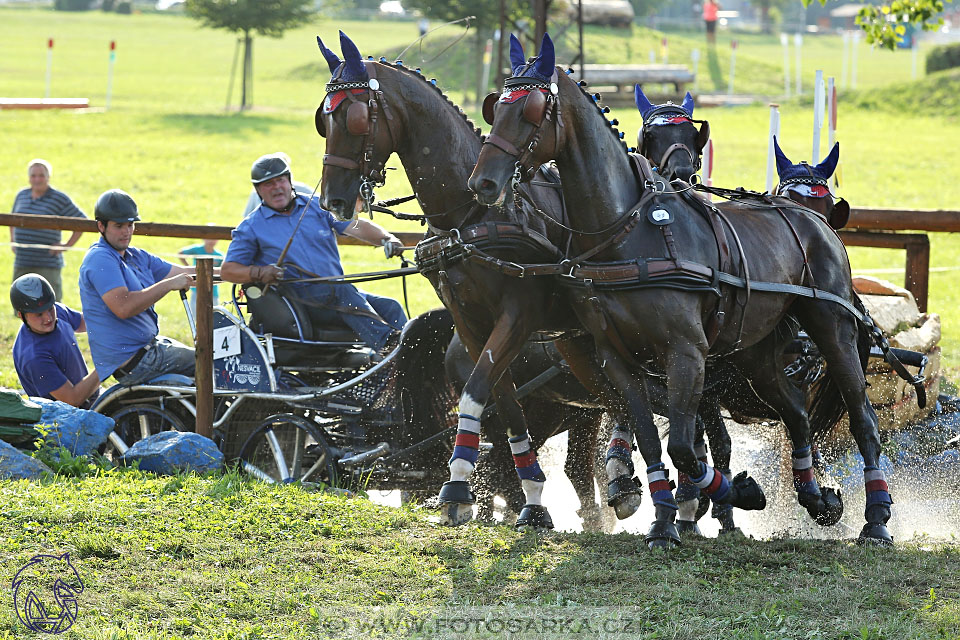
[
  {"x": 16, "y": 465},
  {"x": 876, "y": 286},
  {"x": 79, "y": 431},
  {"x": 611, "y": 13},
  {"x": 892, "y": 313},
  {"x": 170, "y": 452},
  {"x": 923, "y": 337}
]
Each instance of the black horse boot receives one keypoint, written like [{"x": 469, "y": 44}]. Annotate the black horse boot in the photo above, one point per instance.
[{"x": 663, "y": 532}]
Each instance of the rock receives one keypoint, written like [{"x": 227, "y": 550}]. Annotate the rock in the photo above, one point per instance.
[
  {"x": 892, "y": 313},
  {"x": 612, "y": 13},
  {"x": 79, "y": 431},
  {"x": 921, "y": 338},
  {"x": 170, "y": 452},
  {"x": 876, "y": 286},
  {"x": 16, "y": 465}
]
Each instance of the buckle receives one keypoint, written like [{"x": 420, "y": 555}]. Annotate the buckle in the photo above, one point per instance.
[{"x": 569, "y": 274}]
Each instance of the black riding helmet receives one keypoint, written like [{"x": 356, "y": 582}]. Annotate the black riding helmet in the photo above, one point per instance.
[
  {"x": 269, "y": 167},
  {"x": 31, "y": 293},
  {"x": 116, "y": 205}
]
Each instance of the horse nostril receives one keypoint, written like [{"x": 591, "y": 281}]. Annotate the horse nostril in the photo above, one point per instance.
[{"x": 488, "y": 185}]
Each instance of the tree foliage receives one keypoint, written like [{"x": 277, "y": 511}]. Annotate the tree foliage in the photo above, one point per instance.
[
  {"x": 886, "y": 24},
  {"x": 266, "y": 17}
]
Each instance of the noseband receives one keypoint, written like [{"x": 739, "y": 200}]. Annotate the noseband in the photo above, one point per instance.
[
  {"x": 541, "y": 104},
  {"x": 362, "y": 120}
]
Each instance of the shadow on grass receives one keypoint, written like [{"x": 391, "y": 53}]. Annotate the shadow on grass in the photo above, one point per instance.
[
  {"x": 713, "y": 64},
  {"x": 239, "y": 124}
]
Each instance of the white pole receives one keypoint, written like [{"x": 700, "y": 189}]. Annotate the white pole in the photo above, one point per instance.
[
  {"x": 845, "y": 61},
  {"x": 695, "y": 54},
  {"x": 653, "y": 57},
  {"x": 733, "y": 65},
  {"x": 771, "y": 155},
  {"x": 664, "y": 51},
  {"x": 832, "y": 118},
  {"x": 817, "y": 115},
  {"x": 707, "y": 169},
  {"x": 113, "y": 57},
  {"x": 853, "y": 59},
  {"x": 785, "y": 41},
  {"x": 798, "y": 43},
  {"x": 46, "y": 93},
  {"x": 487, "y": 56}
]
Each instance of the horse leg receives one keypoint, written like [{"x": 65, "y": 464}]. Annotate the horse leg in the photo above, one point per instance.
[
  {"x": 691, "y": 507},
  {"x": 835, "y": 332},
  {"x": 720, "y": 451},
  {"x": 581, "y": 445},
  {"x": 492, "y": 360},
  {"x": 685, "y": 370},
  {"x": 623, "y": 489}
]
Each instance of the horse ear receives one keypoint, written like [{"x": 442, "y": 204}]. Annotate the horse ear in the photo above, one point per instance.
[
  {"x": 547, "y": 58},
  {"x": 688, "y": 104},
  {"x": 643, "y": 104},
  {"x": 517, "y": 58},
  {"x": 829, "y": 164},
  {"x": 783, "y": 162},
  {"x": 351, "y": 57},
  {"x": 333, "y": 61}
]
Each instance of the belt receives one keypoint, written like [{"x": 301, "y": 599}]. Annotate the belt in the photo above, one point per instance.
[{"x": 132, "y": 363}]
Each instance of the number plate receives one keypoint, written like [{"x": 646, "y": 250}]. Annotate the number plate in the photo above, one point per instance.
[{"x": 226, "y": 342}]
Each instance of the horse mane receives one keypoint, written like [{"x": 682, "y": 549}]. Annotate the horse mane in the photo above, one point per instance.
[
  {"x": 416, "y": 73},
  {"x": 595, "y": 99}
]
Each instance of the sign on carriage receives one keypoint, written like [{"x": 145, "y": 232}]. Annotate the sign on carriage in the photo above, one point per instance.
[{"x": 226, "y": 342}]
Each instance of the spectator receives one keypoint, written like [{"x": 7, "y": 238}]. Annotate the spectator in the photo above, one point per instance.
[
  {"x": 710, "y": 8},
  {"x": 298, "y": 187},
  {"x": 119, "y": 285},
  {"x": 261, "y": 238},
  {"x": 207, "y": 248},
  {"x": 42, "y": 199},
  {"x": 45, "y": 353}
]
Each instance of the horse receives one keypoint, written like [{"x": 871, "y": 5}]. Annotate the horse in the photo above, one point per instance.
[
  {"x": 373, "y": 109},
  {"x": 667, "y": 314}
]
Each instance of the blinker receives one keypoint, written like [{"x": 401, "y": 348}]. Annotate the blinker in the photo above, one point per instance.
[
  {"x": 534, "y": 107},
  {"x": 488, "y": 104},
  {"x": 358, "y": 119},
  {"x": 319, "y": 123}
]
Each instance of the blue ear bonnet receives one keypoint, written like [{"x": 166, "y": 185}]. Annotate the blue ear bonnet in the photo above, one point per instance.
[
  {"x": 351, "y": 69},
  {"x": 648, "y": 109},
  {"x": 786, "y": 170},
  {"x": 541, "y": 68}
]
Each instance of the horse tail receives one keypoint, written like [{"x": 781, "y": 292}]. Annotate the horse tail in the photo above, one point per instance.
[
  {"x": 421, "y": 386},
  {"x": 827, "y": 406}
]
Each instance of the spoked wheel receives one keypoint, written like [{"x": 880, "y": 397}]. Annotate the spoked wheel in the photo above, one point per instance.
[
  {"x": 288, "y": 448},
  {"x": 137, "y": 421}
]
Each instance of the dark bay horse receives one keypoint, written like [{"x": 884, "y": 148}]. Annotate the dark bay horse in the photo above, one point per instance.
[
  {"x": 402, "y": 112},
  {"x": 689, "y": 281}
]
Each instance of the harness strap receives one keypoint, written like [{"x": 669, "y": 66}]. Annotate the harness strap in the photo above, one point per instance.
[
  {"x": 504, "y": 145},
  {"x": 339, "y": 161}
]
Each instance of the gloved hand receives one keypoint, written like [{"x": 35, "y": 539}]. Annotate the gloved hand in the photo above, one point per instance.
[
  {"x": 266, "y": 274},
  {"x": 392, "y": 247}
]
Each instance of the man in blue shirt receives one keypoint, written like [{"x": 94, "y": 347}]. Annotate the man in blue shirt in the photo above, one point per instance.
[
  {"x": 45, "y": 354},
  {"x": 119, "y": 285},
  {"x": 261, "y": 238}
]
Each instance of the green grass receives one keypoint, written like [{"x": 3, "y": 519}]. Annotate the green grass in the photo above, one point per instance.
[
  {"x": 169, "y": 142},
  {"x": 219, "y": 557}
]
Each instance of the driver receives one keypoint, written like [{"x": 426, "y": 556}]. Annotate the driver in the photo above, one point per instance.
[
  {"x": 119, "y": 284},
  {"x": 285, "y": 216},
  {"x": 45, "y": 354}
]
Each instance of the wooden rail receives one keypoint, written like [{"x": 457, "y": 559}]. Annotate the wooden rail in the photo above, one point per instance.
[{"x": 917, "y": 245}]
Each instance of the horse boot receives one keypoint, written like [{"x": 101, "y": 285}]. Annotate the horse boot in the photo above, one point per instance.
[
  {"x": 533, "y": 515},
  {"x": 623, "y": 491},
  {"x": 456, "y": 503},
  {"x": 688, "y": 503},
  {"x": 663, "y": 532},
  {"x": 877, "y": 512},
  {"x": 723, "y": 513},
  {"x": 824, "y": 505},
  {"x": 743, "y": 492}
]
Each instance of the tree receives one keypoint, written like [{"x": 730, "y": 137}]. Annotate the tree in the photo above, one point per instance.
[
  {"x": 766, "y": 24},
  {"x": 885, "y": 24},
  {"x": 265, "y": 17}
]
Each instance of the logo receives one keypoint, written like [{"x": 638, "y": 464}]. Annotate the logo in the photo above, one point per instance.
[{"x": 45, "y": 593}]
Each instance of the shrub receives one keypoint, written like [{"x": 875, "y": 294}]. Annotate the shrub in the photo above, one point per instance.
[
  {"x": 72, "y": 5},
  {"x": 943, "y": 57},
  {"x": 107, "y": 5},
  {"x": 125, "y": 7}
]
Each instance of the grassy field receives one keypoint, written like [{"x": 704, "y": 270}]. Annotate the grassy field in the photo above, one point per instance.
[
  {"x": 219, "y": 558},
  {"x": 169, "y": 142}
]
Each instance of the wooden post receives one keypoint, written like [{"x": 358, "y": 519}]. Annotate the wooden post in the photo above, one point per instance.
[
  {"x": 204, "y": 346},
  {"x": 918, "y": 270}
]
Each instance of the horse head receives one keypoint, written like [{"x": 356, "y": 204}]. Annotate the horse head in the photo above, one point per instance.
[
  {"x": 668, "y": 137},
  {"x": 520, "y": 139},
  {"x": 809, "y": 185},
  {"x": 357, "y": 127}
]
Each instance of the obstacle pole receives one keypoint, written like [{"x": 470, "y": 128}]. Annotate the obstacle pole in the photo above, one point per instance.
[
  {"x": 785, "y": 42},
  {"x": 113, "y": 57},
  {"x": 771, "y": 156},
  {"x": 798, "y": 44},
  {"x": 46, "y": 92},
  {"x": 204, "y": 346},
  {"x": 817, "y": 115}
]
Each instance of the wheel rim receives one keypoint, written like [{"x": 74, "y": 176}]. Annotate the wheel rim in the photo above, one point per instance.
[
  {"x": 286, "y": 448},
  {"x": 136, "y": 422}
]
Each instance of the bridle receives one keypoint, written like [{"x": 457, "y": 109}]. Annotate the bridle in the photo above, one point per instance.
[
  {"x": 673, "y": 111},
  {"x": 839, "y": 213},
  {"x": 363, "y": 118},
  {"x": 541, "y": 104}
]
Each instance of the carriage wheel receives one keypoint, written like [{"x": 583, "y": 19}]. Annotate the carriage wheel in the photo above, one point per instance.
[
  {"x": 137, "y": 421},
  {"x": 288, "y": 448}
]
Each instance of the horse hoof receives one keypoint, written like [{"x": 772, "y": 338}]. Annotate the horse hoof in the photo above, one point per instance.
[
  {"x": 624, "y": 495},
  {"x": 832, "y": 509},
  {"x": 746, "y": 494},
  {"x": 688, "y": 528},
  {"x": 454, "y": 514},
  {"x": 703, "y": 505},
  {"x": 534, "y": 516},
  {"x": 662, "y": 535},
  {"x": 733, "y": 532},
  {"x": 592, "y": 518},
  {"x": 875, "y": 533}
]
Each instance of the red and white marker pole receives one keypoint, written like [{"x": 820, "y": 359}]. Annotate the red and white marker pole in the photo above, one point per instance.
[
  {"x": 663, "y": 50},
  {"x": 46, "y": 93},
  {"x": 113, "y": 58},
  {"x": 832, "y": 130},
  {"x": 771, "y": 155}
]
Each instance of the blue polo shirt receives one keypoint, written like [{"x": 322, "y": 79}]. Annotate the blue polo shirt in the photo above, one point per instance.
[
  {"x": 261, "y": 237},
  {"x": 45, "y": 362},
  {"x": 112, "y": 340}
]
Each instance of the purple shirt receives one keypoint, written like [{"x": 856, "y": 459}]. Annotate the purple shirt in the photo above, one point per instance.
[{"x": 45, "y": 362}]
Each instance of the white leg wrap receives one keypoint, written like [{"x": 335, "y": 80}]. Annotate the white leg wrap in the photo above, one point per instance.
[
  {"x": 688, "y": 510},
  {"x": 616, "y": 468},
  {"x": 460, "y": 469},
  {"x": 533, "y": 490},
  {"x": 473, "y": 409}
]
